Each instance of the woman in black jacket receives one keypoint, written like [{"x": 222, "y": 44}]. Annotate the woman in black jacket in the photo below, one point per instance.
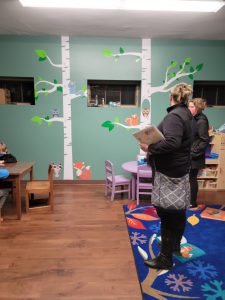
[
  {"x": 171, "y": 158},
  {"x": 200, "y": 143}
]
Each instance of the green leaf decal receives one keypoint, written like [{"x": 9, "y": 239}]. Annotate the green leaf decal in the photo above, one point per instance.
[
  {"x": 121, "y": 50},
  {"x": 41, "y": 53},
  {"x": 173, "y": 74},
  {"x": 42, "y": 59},
  {"x": 55, "y": 81},
  {"x": 107, "y": 52},
  {"x": 37, "y": 120},
  {"x": 36, "y": 95},
  {"x": 174, "y": 64},
  {"x": 47, "y": 118},
  {"x": 187, "y": 60},
  {"x": 59, "y": 88},
  {"x": 181, "y": 67},
  {"x": 199, "y": 67},
  {"x": 108, "y": 124},
  {"x": 192, "y": 69},
  {"x": 117, "y": 120},
  {"x": 191, "y": 76},
  {"x": 84, "y": 88}
]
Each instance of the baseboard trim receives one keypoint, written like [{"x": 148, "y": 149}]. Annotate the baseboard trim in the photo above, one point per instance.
[{"x": 99, "y": 182}]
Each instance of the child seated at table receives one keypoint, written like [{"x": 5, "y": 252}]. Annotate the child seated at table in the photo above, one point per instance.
[{"x": 5, "y": 156}]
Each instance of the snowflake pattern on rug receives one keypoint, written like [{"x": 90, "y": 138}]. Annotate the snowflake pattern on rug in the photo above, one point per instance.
[
  {"x": 201, "y": 269},
  {"x": 138, "y": 238},
  {"x": 178, "y": 283},
  {"x": 216, "y": 292},
  {"x": 155, "y": 228}
]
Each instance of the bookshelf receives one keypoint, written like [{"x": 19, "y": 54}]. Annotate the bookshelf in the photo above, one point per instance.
[{"x": 212, "y": 177}]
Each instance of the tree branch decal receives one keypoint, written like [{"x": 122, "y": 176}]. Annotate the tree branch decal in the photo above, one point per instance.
[
  {"x": 109, "y": 53},
  {"x": 42, "y": 54}
]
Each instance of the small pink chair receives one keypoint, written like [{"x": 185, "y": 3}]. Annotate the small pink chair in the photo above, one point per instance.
[
  {"x": 142, "y": 187},
  {"x": 113, "y": 181}
]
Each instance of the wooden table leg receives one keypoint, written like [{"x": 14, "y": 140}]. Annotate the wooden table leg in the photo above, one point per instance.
[
  {"x": 31, "y": 178},
  {"x": 31, "y": 173},
  {"x": 18, "y": 197}
]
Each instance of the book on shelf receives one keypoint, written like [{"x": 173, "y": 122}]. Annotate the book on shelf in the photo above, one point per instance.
[{"x": 149, "y": 135}]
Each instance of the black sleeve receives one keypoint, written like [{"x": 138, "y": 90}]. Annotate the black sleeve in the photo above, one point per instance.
[
  {"x": 203, "y": 139},
  {"x": 9, "y": 158},
  {"x": 172, "y": 129}
]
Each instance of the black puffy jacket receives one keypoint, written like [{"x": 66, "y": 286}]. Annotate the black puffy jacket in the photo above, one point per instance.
[
  {"x": 8, "y": 158},
  {"x": 172, "y": 155},
  {"x": 200, "y": 142}
]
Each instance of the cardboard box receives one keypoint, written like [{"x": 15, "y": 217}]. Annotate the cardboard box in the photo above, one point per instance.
[{"x": 5, "y": 96}]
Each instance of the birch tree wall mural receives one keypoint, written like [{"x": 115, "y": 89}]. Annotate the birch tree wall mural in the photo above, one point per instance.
[
  {"x": 174, "y": 72},
  {"x": 69, "y": 93}
]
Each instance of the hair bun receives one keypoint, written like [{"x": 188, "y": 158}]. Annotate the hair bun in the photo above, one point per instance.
[{"x": 181, "y": 92}]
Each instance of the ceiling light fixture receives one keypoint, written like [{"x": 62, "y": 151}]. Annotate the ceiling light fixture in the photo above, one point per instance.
[{"x": 149, "y": 5}]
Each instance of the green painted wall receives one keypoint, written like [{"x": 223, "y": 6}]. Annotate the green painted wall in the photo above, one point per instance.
[{"x": 92, "y": 144}]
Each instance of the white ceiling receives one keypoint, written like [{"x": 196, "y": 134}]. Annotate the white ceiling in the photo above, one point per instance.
[{"x": 15, "y": 19}]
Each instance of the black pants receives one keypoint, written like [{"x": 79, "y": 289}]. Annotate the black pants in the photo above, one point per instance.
[
  {"x": 194, "y": 186},
  {"x": 172, "y": 229}
]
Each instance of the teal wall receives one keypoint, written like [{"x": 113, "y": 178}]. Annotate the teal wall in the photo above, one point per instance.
[{"x": 92, "y": 144}]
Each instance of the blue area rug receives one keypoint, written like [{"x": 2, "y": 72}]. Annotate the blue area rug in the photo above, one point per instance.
[{"x": 199, "y": 273}]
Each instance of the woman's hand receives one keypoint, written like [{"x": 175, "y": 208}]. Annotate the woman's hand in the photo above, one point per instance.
[{"x": 144, "y": 147}]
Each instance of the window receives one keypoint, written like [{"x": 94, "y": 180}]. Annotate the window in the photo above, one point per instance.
[
  {"x": 114, "y": 93},
  {"x": 17, "y": 90},
  {"x": 212, "y": 91}
]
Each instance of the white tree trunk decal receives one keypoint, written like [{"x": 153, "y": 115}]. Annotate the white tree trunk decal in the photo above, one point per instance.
[
  {"x": 68, "y": 154},
  {"x": 69, "y": 93},
  {"x": 146, "y": 79}
]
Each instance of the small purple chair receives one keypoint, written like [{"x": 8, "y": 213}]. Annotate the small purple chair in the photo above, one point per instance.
[
  {"x": 113, "y": 181},
  {"x": 144, "y": 188}
]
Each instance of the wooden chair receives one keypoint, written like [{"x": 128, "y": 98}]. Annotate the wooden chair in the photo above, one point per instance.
[
  {"x": 3, "y": 197},
  {"x": 40, "y": 187},
  {"x": 112, "y": 182},
  {"x": 143, "y": 187}
]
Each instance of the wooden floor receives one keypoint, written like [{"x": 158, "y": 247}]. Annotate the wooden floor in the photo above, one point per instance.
[{"x": 81, "y": 251}]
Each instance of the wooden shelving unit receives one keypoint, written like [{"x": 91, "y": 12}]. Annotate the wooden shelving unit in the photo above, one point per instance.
[{"x": 212, "y": 178}]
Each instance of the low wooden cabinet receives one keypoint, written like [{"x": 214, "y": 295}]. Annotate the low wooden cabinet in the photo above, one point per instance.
[{"x": 212, "y": 178}]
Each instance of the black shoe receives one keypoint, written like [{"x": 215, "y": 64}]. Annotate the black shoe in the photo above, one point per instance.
[{"x": 160, "y": 262}]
